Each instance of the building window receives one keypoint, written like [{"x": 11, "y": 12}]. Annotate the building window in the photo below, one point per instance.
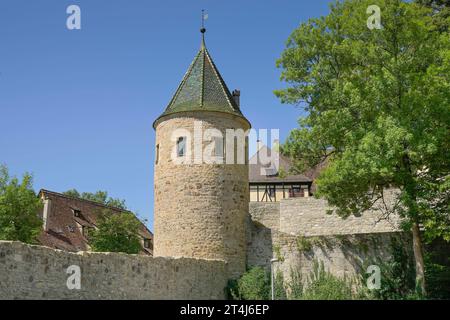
[
  {"x": 85, "y": 231},
  {"x": 147, "y": 243},
  {"x": 296, "y": 192},
  {"x": 157, "y": 154},
  {"x": 76, "y": 213},
  {"x": 181, "y": 146},
  {"x": 218, "y": 147}
]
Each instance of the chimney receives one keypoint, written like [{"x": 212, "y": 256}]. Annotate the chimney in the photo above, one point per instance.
[
  {"x": 237, "y": 97},
  {"x": 46, "y": 214}
]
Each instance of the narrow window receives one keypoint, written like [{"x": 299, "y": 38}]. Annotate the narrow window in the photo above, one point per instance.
[
  {"x": 246, "y": 150},
  {"x": 181, "y": 146},
  {"x": 76, "y": 213},
  {"x": 157, "y": 154},
  {"x": 218, "y": 147},
  {"x": 147, "y": 243}
]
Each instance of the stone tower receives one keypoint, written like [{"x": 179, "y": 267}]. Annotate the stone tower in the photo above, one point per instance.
[{"x": 201, "y": 207}]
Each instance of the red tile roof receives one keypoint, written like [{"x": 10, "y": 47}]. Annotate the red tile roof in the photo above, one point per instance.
[{"x": 64, "y": 228}]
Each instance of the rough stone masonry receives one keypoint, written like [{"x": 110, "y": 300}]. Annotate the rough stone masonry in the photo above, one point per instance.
[{"x": 33, "y": 272}]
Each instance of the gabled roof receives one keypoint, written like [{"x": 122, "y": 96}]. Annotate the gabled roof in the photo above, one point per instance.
[
  {"x": 265, "y": 173},
  {"x": 62, "y": 223},
  {"x": 202, "y": 89}
]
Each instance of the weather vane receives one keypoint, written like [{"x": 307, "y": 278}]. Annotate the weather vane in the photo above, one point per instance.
[{"x": 204, "y": 17}]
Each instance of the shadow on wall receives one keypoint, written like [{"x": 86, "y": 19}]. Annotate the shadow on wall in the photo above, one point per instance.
[{"x": 260, "y": 249}]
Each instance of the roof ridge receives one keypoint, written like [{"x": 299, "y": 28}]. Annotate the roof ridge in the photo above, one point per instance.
[
  {"x": 183, "y": 81},
  {"x": 202, "y": 95},
  {"x": 224, "y": 87},
  {"x": 81, "y": 199}
]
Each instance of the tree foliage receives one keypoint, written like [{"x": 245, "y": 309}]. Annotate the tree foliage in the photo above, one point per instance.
[
  {"x": 252, "y": 285},
  {"x": 98, "y": 196},
  {"x": 19, "y": 208},
  {"x": 440, "y": 13},
  {"x": 378, "y": 104},
  {"x": 116, "y": 232}
]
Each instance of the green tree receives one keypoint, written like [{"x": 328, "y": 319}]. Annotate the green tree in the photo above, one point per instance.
[
  {"x": 116, "y": 232},
  {"x": 98, "y": 196},
  {"x": 378, "y": 111},
  {"x": 440, "y": 12},
  {"x": 19, "y": 208}
]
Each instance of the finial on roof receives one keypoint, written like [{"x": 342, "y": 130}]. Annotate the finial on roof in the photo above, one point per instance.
[{"x": 203, "y": 29}]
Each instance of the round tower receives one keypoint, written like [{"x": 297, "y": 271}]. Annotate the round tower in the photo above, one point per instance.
[{"x": 201, "y": 179}]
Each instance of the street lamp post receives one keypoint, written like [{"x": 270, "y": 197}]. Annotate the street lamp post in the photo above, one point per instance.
[{"x": 272, "y": 277}]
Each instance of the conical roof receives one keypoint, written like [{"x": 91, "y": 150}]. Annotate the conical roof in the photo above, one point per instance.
[{"x": 202, "y": 89}]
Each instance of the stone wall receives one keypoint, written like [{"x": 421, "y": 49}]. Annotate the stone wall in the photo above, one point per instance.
[
  {"x": 308, "y": 217},
  {"x": 266, "y": 213},
  {"x": 344, "y": 256},
  {"x": 299, "y": 232},
  {"x": 34, "y": 272}
]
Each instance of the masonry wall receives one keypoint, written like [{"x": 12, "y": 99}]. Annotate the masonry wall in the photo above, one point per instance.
[
  {"x": 308, "y": 217},
  {"x": 299, "y": 232},
  {"x": 34, "y": 272},
  {"x": 342, "y": 255}
]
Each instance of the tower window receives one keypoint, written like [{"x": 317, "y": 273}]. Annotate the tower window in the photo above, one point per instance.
[
  {"x": 157, "y": 154},
  {"x": 181, "y": 146},
  {"x": 218, "y": 147}
]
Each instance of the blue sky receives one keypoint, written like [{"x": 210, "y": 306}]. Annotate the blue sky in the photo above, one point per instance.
[{"x": 77, "y": 106}]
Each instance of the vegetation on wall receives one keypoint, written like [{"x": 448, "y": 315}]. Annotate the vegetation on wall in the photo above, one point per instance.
[
  {"x": 303, "y": 244},
  {"x": 398, "y": 275},
  {"x": 322, "y": 285},
  {"x": 378, "y": 111},
  {"x": 252, "y": 285},
  {"x": 19, "y": 208},
  {"x": 397, "y": 278},
  {"x": 438, "y": 275},
  {"x": 277, "y": 252}
]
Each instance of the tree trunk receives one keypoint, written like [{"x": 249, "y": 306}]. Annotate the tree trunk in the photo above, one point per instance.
[{"x": 418, "y": 257}]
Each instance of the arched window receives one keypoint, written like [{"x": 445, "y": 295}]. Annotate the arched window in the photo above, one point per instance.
[{"x": 181, "y": 146}]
